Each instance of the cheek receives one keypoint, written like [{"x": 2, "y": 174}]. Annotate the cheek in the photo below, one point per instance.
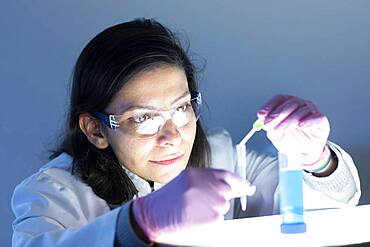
[
  {"x": 189, "y": 135},
  {"x": 193, "y": 130},
  {"x": 130, "y": 151}
]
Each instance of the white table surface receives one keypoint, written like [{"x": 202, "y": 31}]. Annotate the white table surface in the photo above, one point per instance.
[{"x": 327, "y": 227}]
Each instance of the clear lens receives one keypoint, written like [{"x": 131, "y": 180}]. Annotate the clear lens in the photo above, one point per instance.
[
  {"x": 183, "y": 115},
  {"x": 148, "y": 124}
]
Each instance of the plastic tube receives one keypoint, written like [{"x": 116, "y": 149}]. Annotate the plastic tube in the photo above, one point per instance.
[
  {"x": 241, "y": 155},
  {"x": 291, "y": 195}
]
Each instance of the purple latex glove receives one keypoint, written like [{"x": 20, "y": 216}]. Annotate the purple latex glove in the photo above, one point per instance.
[
  {"x": 194, "y": 197},
  {"x": 297, "y": 128}
]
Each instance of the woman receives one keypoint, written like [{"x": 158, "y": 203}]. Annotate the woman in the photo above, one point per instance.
[{"x": 133, "y": 127}]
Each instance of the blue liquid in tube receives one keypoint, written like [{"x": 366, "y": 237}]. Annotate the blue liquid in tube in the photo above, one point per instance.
[{"x": 291, "y": 197}]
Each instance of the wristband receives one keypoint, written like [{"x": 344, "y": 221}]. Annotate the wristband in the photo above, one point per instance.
[{"x": 321, "y": 164}]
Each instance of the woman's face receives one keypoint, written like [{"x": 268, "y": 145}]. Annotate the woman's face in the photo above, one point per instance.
[{"x": 161, "y": 157}]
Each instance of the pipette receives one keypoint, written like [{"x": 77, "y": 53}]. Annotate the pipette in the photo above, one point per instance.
[{"x": 242, "y": 159}]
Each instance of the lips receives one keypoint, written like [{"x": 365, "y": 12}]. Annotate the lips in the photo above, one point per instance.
[{"x": 169, "y": 160}]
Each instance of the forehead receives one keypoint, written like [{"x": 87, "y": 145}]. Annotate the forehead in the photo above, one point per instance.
[{"x": 157, "y": 87}]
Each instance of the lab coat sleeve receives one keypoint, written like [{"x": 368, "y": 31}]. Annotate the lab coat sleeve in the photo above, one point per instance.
[
  {"x": 339, "y": 189},
  {"x": 49, "y": 213}
]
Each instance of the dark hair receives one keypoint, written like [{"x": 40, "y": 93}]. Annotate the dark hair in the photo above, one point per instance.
[{"x": 107, "y": 62}]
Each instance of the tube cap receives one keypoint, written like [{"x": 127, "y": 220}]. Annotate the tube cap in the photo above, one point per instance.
[{"x": 293, "y": 228}]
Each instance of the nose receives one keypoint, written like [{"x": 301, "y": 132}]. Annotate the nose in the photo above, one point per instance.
[{"x": 169, "y": 135}]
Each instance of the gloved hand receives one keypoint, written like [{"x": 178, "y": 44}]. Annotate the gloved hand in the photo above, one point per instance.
[
  {"x": 194, "y": 197},
  {"x": 297, "y": 128}
]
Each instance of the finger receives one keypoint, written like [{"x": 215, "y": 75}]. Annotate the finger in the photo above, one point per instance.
[
  {"x": 216, "y": 200},
  {"x": 242, "y": 190},
  {"x": 311, "y": 105},
  {"x": 217, "y": 217},
  {"x": 208, "y": 215},
  {"x": 316, "y": 114},
  {"x": 215, "y": 181},
  {"x": 270, "y": 105},
  {"x": 295, "y": 118},
  {"x": 221, "y": 205},
  {"x": 283, "y": 105},
  {"x": 280, "y": 113},
  {"x": 314, "y": 119},
  {"x": 237, "y": 186}
]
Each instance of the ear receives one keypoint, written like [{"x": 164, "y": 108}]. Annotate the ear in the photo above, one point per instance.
[{"x": 93, "y": 130}]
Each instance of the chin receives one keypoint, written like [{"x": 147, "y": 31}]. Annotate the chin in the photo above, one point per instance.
[{"x": 165, "y": 178}]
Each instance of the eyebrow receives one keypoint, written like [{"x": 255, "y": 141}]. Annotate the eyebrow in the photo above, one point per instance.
[{"x": 122, "y": 110}]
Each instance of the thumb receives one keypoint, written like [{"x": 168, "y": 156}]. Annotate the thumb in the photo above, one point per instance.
[
  {"x": 244, "y": 190},
  {"x": 239, "y": 187}
]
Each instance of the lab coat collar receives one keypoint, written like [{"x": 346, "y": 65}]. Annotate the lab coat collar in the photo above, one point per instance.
[{"x": 141, "y": 185}]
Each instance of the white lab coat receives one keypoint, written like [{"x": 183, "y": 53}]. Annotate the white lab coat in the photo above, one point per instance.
[{"x": 54, "y": 208}]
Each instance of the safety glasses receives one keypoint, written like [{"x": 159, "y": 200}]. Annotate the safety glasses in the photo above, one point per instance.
[{"x": 147, "y": 123}]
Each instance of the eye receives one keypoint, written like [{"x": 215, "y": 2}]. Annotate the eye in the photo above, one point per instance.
[
  {"x": 142, "y": 118},
  {"x": 184, "y": 107}
]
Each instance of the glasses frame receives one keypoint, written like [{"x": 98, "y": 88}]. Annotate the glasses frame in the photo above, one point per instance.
[{"x": 110, "y": 119}]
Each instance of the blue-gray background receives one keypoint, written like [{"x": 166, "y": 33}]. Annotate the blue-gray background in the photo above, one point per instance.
[{"x": 315, "y": 49}]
